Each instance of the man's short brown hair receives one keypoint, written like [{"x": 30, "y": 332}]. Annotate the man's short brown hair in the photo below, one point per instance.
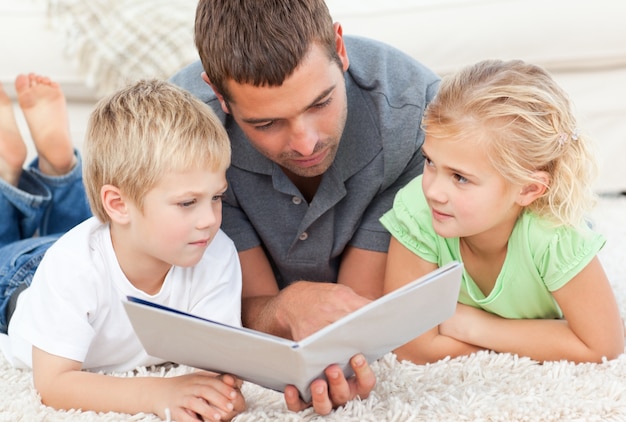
[{"x": 259, "y": 42}]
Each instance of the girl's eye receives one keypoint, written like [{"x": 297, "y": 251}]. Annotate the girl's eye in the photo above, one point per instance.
[
  {"x": 218, "y": 197},
  {"x": 427, "y": 161},
  {"x": 460, "y": 178}
]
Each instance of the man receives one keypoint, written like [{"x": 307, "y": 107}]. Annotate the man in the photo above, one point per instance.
[{"x": 324, "y": 131}]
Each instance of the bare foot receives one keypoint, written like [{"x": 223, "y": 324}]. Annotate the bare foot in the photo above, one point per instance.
[
  {"x": 44, "y": 108},
  {"x": 12, "y": 148}
]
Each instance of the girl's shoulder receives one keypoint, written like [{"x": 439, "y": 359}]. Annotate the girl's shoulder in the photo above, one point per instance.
[
  {"x": 558, "y": 252},
  {"x": 543, "y": 232}
]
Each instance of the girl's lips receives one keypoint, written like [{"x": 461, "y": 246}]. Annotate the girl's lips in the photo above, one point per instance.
[{"x": 438, "y": 215}]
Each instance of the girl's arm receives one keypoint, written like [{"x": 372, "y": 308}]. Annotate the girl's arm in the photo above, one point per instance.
[
  {"x": 404, "y": 266},
  {"x": 192, "y": 397},
  {"x": 590, "y": 330}
]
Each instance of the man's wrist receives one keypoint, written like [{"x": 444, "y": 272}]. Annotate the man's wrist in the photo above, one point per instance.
[{"x": 280, "y": 310}]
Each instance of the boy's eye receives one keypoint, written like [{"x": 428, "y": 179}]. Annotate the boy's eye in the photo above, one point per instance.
[
  {"x": 186, "y": 204},
  {"x": 218, "y": 197}
]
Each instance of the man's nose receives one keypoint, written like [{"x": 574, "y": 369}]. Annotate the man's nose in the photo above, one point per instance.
[{"x": 303, "y": 137}]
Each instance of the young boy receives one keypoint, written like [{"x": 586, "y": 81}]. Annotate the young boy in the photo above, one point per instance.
[{"x": 154, "y": 168}]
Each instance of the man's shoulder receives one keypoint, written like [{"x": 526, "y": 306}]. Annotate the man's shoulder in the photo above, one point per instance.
[
  {"x": 372, "y": 60},
  {"x": 189, "y": 78},
  {"x": 391, "y": 89}
]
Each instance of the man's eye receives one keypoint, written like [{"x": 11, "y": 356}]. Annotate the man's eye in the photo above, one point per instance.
[
  {"x": 324, "y": 103},
  {"x": 266, "y": 126}
]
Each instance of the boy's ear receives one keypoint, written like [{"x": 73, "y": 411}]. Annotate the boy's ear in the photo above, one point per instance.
[
  {"x": 219, "y": 96},
  {"x": 114, "y": 204},
  {"x": 534, "y": 190}
]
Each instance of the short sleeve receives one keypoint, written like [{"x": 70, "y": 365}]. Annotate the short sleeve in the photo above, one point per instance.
[
  {"x": 410, "y": 223},
  {"x": 566, "y": 253}
]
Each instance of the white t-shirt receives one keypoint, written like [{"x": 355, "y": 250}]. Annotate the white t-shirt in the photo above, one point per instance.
[{"x": 73, "y": 307}]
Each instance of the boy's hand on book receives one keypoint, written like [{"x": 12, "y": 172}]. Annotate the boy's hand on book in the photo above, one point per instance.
[
  {"x": 201, "y": 396},
  {"x": 338, "y": 390}
]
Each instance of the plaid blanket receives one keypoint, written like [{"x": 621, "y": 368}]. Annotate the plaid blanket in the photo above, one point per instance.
[{"x": 116, "y": 42}]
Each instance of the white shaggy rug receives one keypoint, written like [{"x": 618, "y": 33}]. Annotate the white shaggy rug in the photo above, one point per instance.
[{"x": 481, "y": 387}]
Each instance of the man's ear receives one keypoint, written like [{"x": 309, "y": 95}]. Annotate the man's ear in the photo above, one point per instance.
[
  {"x": 219, "y": 96},
  {"x": 532, "y": 191},
  {"x": 340, "y": 46},
  {"x": 114, "y": 204}
]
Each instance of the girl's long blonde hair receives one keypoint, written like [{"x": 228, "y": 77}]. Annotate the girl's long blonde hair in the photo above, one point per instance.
[{"x": 528, "y": 126}]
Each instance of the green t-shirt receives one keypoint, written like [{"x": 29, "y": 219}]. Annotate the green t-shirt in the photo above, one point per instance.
[{"x": 540, "y": 258}]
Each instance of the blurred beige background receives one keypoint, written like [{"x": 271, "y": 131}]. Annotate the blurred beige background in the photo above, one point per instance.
[{"x": 93, "y": 46}]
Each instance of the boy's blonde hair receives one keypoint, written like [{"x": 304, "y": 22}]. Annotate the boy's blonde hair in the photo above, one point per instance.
[
  {"x": 524, "y": 120},
  {"x": 143, "y": 131}
]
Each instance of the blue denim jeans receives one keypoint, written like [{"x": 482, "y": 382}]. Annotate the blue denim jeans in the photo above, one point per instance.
[{"x": 32, "y": 216}]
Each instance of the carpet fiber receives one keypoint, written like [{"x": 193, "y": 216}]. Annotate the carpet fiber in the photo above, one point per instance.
[{"x": 481, "y": 387}]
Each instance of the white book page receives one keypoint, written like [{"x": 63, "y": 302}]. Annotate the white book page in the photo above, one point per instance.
[{"x": 275, "y": 362}]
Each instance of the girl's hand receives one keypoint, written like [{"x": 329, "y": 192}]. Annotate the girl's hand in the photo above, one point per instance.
[{"x": 460, "y": 325}]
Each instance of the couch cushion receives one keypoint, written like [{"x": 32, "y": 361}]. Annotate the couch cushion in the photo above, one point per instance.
[
  {"x": 116, "y": 42},
  {"x": 446, "y": 34}
]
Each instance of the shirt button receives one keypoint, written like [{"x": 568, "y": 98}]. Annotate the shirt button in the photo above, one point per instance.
[
  {"x": 296, "y": 200},
  {"x": 303, "y": 236}
]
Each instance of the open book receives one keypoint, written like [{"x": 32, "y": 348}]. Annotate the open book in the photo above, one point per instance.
[{"x": 274, "y": 362}]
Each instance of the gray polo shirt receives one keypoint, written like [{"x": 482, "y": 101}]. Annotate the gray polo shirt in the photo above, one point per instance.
[{"x": 379, "y": 152}]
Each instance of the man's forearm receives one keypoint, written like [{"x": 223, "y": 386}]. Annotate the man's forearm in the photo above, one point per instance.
[
  {"x": 300, "y": 309},
  {"x": 259, "y": 313}
]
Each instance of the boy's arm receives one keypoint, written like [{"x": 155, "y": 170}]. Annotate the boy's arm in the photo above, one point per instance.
[
  {"x": 403, "y": 266},
  {"x": 63, "y": 385},
  {"x": 591, "y": 329}
]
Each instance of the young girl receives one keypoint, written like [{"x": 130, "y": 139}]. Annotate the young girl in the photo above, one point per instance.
[{"x": 506, "y": 183}]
